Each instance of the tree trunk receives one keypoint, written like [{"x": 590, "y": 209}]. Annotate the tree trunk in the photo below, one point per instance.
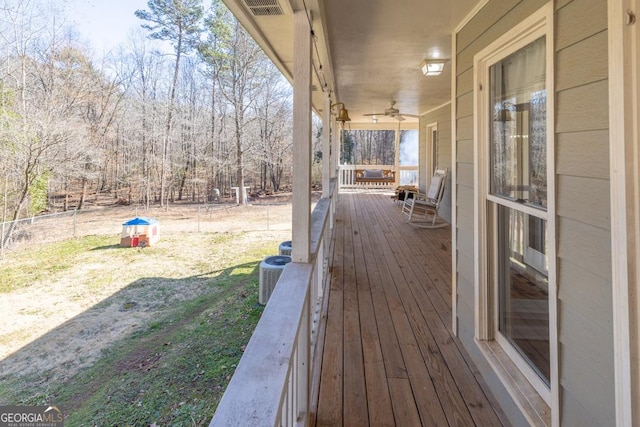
[
  {"x": 239, "y": 167},
  {"x": 83, "y": 193},
  {"x": 167, "y": 137}
]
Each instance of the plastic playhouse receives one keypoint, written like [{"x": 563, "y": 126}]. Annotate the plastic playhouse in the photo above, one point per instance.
[{"x": 140, "y": 232}]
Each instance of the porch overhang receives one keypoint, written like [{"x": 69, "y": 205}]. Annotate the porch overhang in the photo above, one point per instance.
[{"x": 364, "y": 54}]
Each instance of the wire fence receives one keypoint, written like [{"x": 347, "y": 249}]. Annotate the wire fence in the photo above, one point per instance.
[{"x": 173, "y": 219}]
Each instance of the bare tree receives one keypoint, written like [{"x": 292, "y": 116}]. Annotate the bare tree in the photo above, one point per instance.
[
  {"x": 144, "y": 71},
  {"x": 177, "y": 21},
  {"x": 273, "y": 111},
  {"x": 193, "y": 136},
  {"x": 372, "y": 147},
  {"x": 142, "y": 125},
  {"x": 239, "y": 64},
  {"x": 43, "y": 108}
]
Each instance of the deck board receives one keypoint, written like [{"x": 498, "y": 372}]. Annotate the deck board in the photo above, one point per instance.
[
  {"x": 330, "y": 388},
  {"x": 389, "y": 355},
  {"x": 428, "y": 394},
  {"x": 355, "y": 396},
  {"x": 393, "y": 361},
  {"x": 378, "y": 394}
]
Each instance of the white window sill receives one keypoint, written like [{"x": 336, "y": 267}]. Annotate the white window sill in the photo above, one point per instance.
[{"x": 531, "y": 404}]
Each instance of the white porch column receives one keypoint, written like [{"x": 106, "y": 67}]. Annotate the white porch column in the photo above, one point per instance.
[
  {"x": 396, "y": 161},
  {"x": 301, "y": 215},
  {"x": 624, "y": 161},
  {"x": 326, "y": 145},
  {"x": 337, "y": 147}
]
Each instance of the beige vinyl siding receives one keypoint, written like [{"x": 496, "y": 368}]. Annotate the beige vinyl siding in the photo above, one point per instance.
[
  {"x": 583, "y": 108},
  {"x": 465, "y": 128},
  {"x": 577, "y": 21},
  {"x": 586, "y": 246},
  {"x": 465, "y": 84},
  {"x": 580, "y": 416},
  {"x": 581, "y": 153},
  {"x": 585, "y": 346},
  {"x": 501, "y": 16},
  {"x": 465, "y": 152},
  {"x": 584, "y": 289},
  {"x": 465, "y": 175},
  {"x": 585, "y": 319},
  {"x": 569, "y": 62},
  {"x": 442, "y": 117},
  {"x": 465, "y": 105},
  {"x": 582, "y": 199},
  {"x": 578, "y": 192}
]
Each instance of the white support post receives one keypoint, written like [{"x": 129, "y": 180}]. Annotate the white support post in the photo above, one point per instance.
[
  {"x": 396, "y": 161},
  {"x": 335, "y": 146},
  {"x": 624, "y": 166},
  {"x": 301, "y": 215},
  {"x": 326, "y": 145},
  {"x": 334, "y": 165}
]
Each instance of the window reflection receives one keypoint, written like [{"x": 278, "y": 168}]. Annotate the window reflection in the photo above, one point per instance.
[
  {"x": 523, "y": 290},
  {"x": 518, "y": 150}
]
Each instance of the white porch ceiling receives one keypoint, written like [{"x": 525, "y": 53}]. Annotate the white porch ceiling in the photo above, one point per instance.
[{"x": 370, "y": 50}]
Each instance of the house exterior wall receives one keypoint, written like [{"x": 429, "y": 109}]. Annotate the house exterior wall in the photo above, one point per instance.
[
  {"x": 585, "y": 325},
  {"x": 442, "y": 117},
  {"x": 585, "y": 317}
]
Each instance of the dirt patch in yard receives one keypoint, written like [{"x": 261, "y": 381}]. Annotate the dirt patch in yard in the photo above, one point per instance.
[{"x": 63, "y": 321}]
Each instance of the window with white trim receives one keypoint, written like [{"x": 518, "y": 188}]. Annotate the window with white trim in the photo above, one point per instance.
[
  {"x": 515, "y": 242},
  {"x": 517, "y": 204}
]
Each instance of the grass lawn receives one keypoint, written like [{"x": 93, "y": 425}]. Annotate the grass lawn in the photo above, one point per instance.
[{"x": 124, "y": 337}]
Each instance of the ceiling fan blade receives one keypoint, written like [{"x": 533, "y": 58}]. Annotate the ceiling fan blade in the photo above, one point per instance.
[
  {"x": 375, "y": 114},
  {"x": 399, "y": 117}
]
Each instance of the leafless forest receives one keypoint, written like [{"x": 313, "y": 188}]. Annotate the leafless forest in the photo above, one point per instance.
[{"x": 187, "y": 104}]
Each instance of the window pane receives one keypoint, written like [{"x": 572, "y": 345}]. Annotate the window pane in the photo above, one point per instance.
[
  {"x": 518, "y": 148},
  {"x": 523, "y": 286}
]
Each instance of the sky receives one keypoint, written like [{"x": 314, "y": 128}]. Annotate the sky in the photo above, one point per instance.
[{"x": 105, "y": 23}]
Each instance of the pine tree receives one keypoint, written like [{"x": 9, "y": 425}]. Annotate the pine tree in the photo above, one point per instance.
[{"x": 178, "y": 22}]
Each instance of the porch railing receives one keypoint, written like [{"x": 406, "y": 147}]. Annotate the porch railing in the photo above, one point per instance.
[
  {"x": 272, "y": 383},
  {"x": 405, "y": 175}
]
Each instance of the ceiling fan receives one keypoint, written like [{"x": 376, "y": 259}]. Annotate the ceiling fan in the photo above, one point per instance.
[{"x": 393, "y": 112}]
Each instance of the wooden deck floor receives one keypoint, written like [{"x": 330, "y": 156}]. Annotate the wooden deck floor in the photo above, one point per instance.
[{"x": 389, "y": 356}]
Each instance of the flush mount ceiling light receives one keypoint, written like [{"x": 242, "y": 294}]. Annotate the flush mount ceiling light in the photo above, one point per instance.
[{"x": 432, "y": 67}]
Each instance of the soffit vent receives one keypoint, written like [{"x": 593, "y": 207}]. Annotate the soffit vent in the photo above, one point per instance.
[{"x": 264, "y": 7}]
